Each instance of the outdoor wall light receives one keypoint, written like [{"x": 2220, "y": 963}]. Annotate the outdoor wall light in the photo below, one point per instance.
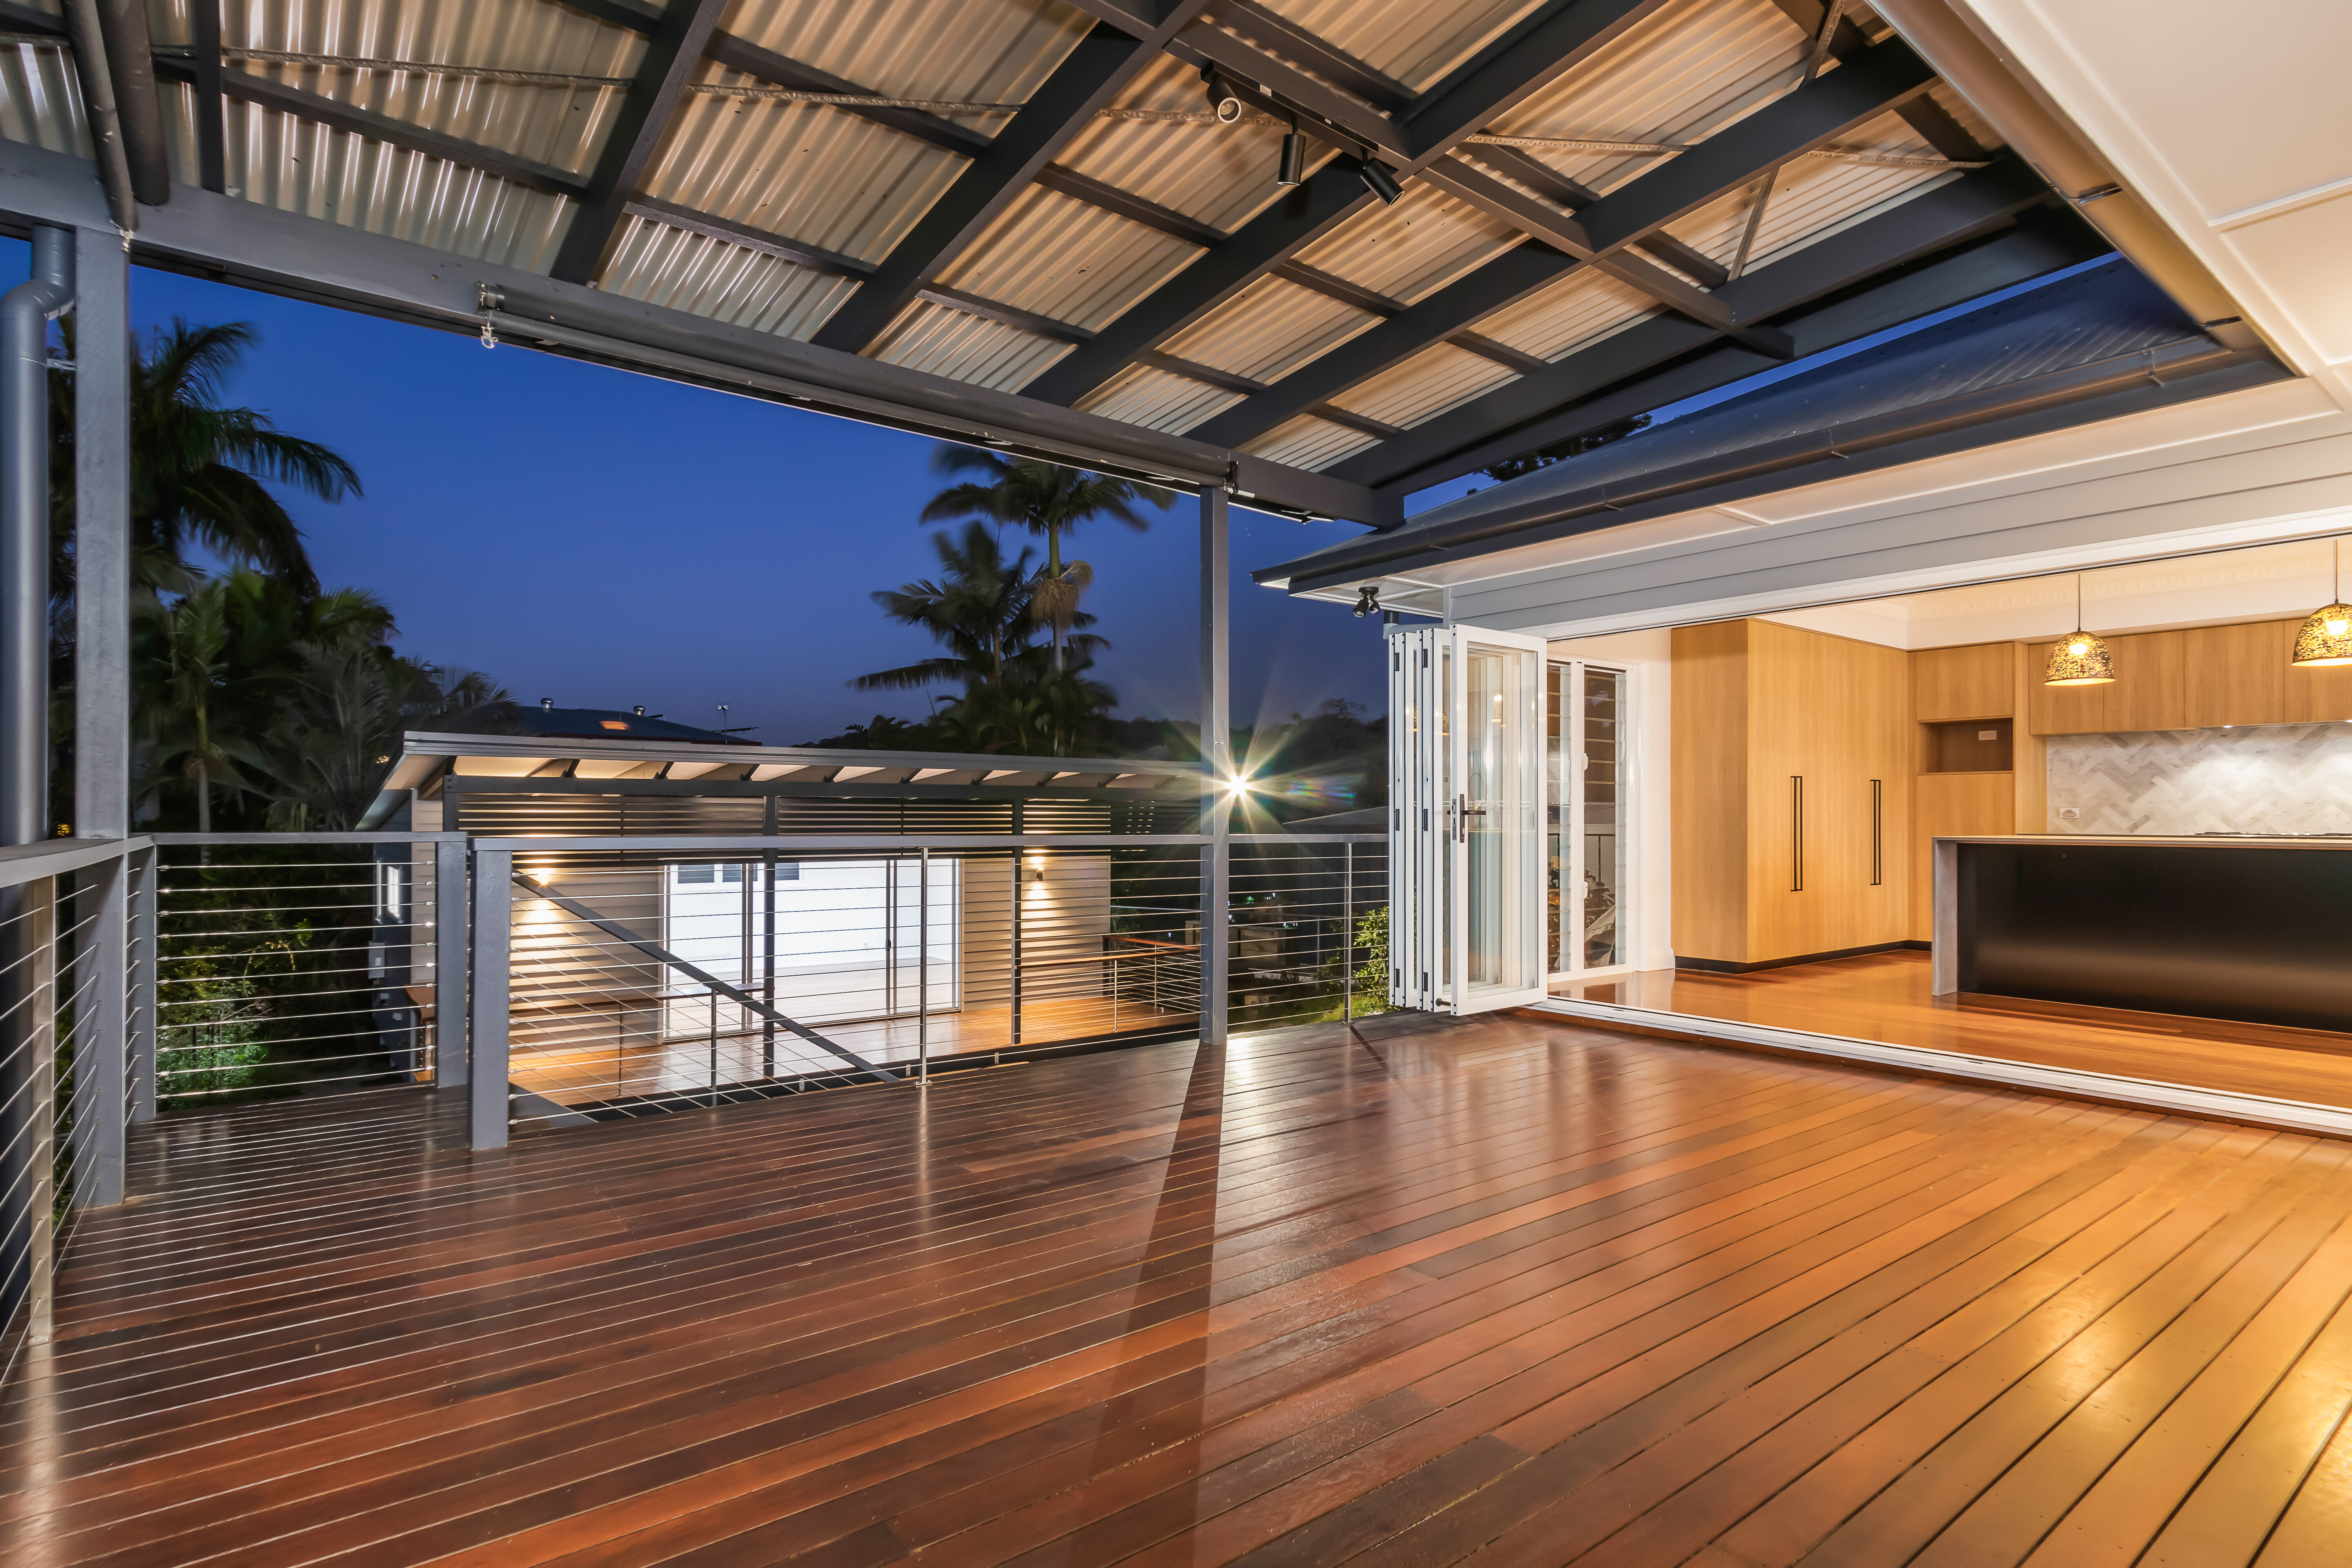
[
  {"x": 1368, "y": 600},
  {"x": 2327, "y": 637},
  {"x": 1381, "y": 180},
  {"x": 2080, "y": 659}
]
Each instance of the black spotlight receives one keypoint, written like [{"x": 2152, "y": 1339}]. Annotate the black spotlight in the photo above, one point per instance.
[
  {"x": 1222, "y": 101},
  {"x": 1368, "y": 600},
  {"x": 1293, "y": 167},
  {"x": 1381, "y": 180}
]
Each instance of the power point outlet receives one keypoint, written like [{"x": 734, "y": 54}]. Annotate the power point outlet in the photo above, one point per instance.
[
  {"x": 2069, "y": 813},
  {"x": 1988, "y": 734}
]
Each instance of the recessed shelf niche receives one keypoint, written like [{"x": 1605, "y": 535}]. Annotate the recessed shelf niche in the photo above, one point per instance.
[{"x": 1969, "y": 746}]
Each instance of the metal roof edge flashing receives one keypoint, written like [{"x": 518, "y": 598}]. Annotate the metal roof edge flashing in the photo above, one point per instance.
[{"x": 2163, "y": 366}]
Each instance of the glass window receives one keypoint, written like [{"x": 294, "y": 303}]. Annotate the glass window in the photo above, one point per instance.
[
  {"x": 1585, "y": 761},
  {"x": 687, "y": 875}
]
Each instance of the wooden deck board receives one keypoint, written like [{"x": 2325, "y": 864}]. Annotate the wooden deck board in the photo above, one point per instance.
[{"x": 1504, "y": 1287}]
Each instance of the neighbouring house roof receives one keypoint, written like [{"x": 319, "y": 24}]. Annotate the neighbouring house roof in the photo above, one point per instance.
[
  {"x": 616, "y": 725},
  {"x": 2063, "y": 347}
]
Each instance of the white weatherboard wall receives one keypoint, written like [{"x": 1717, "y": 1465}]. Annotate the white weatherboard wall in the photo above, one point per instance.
[
  {"x": 1650, "y": 846},
  {"x": 2269, "y": 778}
]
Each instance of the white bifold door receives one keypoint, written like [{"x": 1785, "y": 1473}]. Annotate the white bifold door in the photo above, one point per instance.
[{"x": 1467, "y": 906}]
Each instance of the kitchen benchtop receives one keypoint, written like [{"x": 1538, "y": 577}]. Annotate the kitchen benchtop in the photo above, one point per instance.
[{"x": 2151, "y": 841}]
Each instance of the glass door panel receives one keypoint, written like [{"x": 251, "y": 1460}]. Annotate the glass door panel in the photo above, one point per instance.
[
  {"x": 1602, "y": 942},
  {"x": 1586, "y": 794}
]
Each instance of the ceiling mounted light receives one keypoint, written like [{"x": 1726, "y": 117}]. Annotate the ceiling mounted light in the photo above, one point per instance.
[
  {"x": 1221, "y": 100},
  {"x": 2327, "y": 637},
  {"x": 1367, "y": 599},
  {"x": 1293, "y": 167},
  {"x": 1381, "y": 180},
  {"x": 2080, "y": 659}
]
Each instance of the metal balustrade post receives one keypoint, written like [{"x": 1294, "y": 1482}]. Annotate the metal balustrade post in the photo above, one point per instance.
[
  {"x": 923, "y": 968},
  {"x": 101, "y": 1044},
  {"x": 1348, "y": 933},
  {"x": 1217, "y": 755},
  {"x": 145, "y": 963},
  {"x": 449, "y": 948},
  {"x": 40, "y": 1036},
  {"x": 487, "y": 994}
]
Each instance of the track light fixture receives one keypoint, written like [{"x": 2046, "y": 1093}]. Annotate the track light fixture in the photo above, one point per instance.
[
  {"x": 1293, "y": 167},
  {"x": 1221, "y": 100},
  {"x": 1368, "y": 600},
  {"x": 1381, "y": 180}
]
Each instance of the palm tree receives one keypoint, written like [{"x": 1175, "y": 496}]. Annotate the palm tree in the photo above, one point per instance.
[
  {"x": 199, "y": 472},
  {"x": 1049, "y": 500},
  {"x": 343, "y": 726}
]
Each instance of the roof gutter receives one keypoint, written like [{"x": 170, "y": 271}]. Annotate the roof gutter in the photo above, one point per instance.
[
  {"x": 1976, "y": 66},
  {"x": 2161, "y": 366}
]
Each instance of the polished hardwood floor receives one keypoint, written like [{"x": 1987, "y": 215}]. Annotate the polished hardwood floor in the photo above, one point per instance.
[
  {"x": 1885, "y": 997},
  {"x": 1503, "y": 1290}
]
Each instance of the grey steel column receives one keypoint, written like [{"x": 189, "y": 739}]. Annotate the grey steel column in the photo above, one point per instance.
[
  {"x": 145, "y": 1021},
  {"x": 101, "y": 803},
  {"x": 101, "y": 1041},
  {"x": 25, "y": 314},
  {"x": 487, "y": 1040},
  {"x": 449, "y": 1019},
  {"x": 1217, "y": 752}
]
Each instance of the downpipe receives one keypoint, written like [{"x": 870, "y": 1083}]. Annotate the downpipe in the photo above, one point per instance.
[{"x": 26, "y": 312}]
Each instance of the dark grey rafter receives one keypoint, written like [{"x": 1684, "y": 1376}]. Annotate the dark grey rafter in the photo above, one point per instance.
[
  {"x": 1135, "y": 209},
  {"x": 247, "y": 88},
  {"x": 1224, "y": 380},
  {"x": 815, "y": 256},
  {"x": 1510, "y": 277},
  {"x": 1010, "y": 315},
  {"x": 673, "y": 51},
  {"x": 1508, "y": 419},
  {"x": 1332, "y": 287},
  {"x": 1504, "y": 354},
  {"x": 1089, "y": 78},
  {"x": 212, "y": 147},
  {"x": 1280, "y": 83},
  {"x": 1538, "y": 52},
  {"x": 740, "y": 54},
  {"x": 1348, "y": 418}
]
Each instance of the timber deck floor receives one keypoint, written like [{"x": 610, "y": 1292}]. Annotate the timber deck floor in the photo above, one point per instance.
[
  {"x": 1886, "y": 996},
  {"x": 1505, "y": 1288}
]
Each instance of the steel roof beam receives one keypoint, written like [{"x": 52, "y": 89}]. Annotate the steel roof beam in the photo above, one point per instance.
[
  {"x": 1504, "y": 422},
  {"x": 1554, "y": 186},
  {"x": 741, "y": 55},
  {"x": 247, "y": 88},
  {"x": 212, "y": 149},
  {"x": 1091, "y": 77},
  {"x": 1924, "y": 114},
  {"x": 1280, "y": 36},
  {"x": 673, "y": 51}
]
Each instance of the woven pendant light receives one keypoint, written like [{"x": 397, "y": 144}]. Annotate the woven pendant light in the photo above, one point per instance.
[
  {"x": 2080, "y": 659},
  {"x": 2327, "y": 637}
]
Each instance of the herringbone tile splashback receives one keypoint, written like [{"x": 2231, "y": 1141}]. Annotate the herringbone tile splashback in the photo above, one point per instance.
[{"x": 2274, "y": 778}]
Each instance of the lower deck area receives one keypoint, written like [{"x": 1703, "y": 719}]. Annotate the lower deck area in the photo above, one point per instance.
[
  {"x": 1887, "y": 997},
  {"x": 1412, "y": 1291}
]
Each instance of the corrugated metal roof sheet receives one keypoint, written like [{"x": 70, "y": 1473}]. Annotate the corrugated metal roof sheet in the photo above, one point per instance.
[
  {"x": 1423, "y": 243},
  {"x": 1142, "y": 394},
  {"x": 1308, "y": 442},
  {"x": 40, "y": 103},
  {"x": 1812, "y": 198},
  {"x": 758, "y": 163},
  {"x": 1581, "y": 308},
  {"x": 1438, "y": 378},
  {"x": 1411, "y": 40},
  {"x": 980, "y": 51},
  {"x": 729, "y": 283},
  {"x": 1269, "y": 329},
  {"x": 971, "y": 347},
  {"x": 1062, "y": 259},
  {"x": 2099, "y": 314}
]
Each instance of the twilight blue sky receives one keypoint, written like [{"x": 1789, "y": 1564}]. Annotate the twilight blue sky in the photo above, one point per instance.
[{"x": 608, "y": 539}]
